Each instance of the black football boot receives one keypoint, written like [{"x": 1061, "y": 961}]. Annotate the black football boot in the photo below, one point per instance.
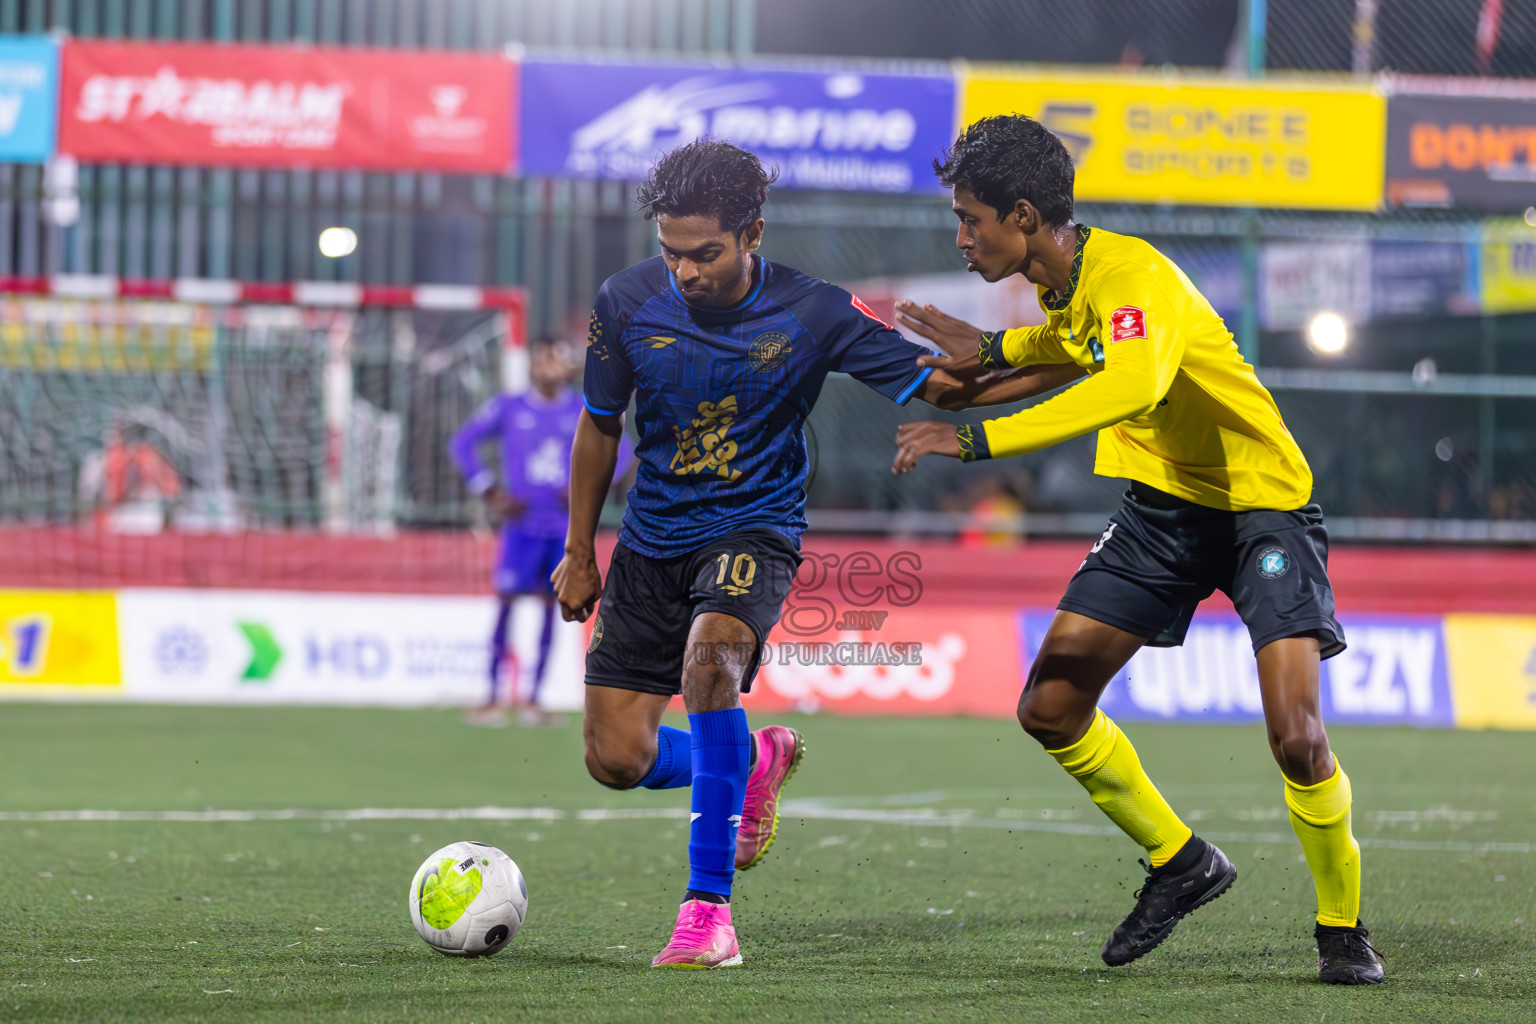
[{"x": 1195, "y": 875}]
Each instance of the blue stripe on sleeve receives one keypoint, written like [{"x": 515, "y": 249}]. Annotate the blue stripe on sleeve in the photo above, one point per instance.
[
  {"x": 595, "y": 411},
  {"x": 902, "y": 398}
]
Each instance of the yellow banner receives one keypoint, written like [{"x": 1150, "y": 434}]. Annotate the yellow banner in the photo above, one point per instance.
[
  {"x": 1145, "y": 139},
  {"x": 111, "y": 337},
  {"x": 1508, "y": 262},
  {"x": 57, "y": 637},
  {"x": 1493, "y": 670}
]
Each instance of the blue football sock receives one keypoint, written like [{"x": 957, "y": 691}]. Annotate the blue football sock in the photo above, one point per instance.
[
  {"x": 546, "y": 641},
  {"x": 674, "y": 760},
  {"x": 499, "y": 644},
  {"x": 721, "y": 753}
]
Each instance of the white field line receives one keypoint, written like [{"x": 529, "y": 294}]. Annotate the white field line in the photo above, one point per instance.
[{"x": 806, "y": 811}]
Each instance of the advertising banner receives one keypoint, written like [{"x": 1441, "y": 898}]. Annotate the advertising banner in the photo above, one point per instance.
[
  {"x": 859, "y": 639},
  {"x": 1470, "y": 152},
  {"x": 1393, "y": 673},
  {"x": 56, "y": 639},
  {"x": 1165, "y": 140},
  {"x": 29, "y": 87},
  {"x": 1493, "y": 661},
  {"x": 841, "y": 130},
  {"x": 271, "y": 647},
  {"x": 1413, "y": 279},
  {"x": 896, "y": 661},
  {"x": 277, "y": 106},
  {"x": 1507, "y": 261},
  {"x": 1298, "y": 279}
]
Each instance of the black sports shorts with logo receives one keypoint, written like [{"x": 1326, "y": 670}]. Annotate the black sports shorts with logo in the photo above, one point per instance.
[
  {"x": 1160, "y": 556},
  {"x": 640, "y": 634}
]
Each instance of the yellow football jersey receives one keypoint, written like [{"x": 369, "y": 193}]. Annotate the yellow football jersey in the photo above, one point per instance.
[{"x": 1174, "y": 402}]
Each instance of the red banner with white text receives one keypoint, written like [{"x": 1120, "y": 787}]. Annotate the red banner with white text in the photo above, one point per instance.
[
  {"x": 942, "y": 660},
  {"x": 268, "y": 106}
]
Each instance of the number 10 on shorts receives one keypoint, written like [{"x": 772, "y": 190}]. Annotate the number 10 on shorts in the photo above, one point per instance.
[{"x": 742, "y": 570}]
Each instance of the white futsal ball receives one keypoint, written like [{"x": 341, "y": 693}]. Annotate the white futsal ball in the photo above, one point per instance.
[{"x": 468, "y": 899}]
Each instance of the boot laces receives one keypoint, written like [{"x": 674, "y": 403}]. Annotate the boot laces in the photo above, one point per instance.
[
  {"x": 1356, "y": 942},
  {"x": 1150, "y": 880},
  {"x": 1359, "y": 941}
]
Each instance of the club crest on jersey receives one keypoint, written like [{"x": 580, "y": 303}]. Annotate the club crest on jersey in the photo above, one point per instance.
[
  {"x": 597, "y": 633},
  {"x": 768, "y": 350},
  {"x": 1125, "y": 323},
  {"x": 1273, "y": 563}
]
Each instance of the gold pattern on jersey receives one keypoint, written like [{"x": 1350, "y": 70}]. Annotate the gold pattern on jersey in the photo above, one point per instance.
[
  {"x": 595, "y": 336},
  {"x": 702, "y": 446}
]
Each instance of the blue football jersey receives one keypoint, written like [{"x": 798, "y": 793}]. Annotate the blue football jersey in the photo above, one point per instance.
[{"x": 721, "y": 395}]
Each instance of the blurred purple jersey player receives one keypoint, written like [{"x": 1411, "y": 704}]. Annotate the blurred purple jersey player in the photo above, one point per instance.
[{"x": 534, "y": 430}]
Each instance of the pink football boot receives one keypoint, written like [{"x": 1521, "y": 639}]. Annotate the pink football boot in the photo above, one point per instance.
[
  {"x": 779, "y": 750},
  {"x": 702, "y": 939}
]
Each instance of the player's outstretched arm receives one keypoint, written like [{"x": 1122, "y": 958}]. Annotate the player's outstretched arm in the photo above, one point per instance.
[
  {"x": 981, "y": 387},
  {"x": 1099, "y": 402},
  {"x": 1137, "y": 373},
  {"x": 974, "y": 384},
  {"x": 594, "y": 454}
]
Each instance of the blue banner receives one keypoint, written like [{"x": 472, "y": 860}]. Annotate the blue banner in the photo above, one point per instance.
[
  {"x": 29, "y": 95},
  {"x": 1216, "y": 268},
  {"x": 1415, "y": 279},
  {"x": 1393, "y": 673},
  {"x": 838, "y": 130}
]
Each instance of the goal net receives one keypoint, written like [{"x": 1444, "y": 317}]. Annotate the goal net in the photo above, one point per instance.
[{"x": 123, "y": 419}]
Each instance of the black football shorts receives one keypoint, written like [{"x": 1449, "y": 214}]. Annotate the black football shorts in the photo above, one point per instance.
[
  {"x": 640, "y": 634},
  {"x": 1160, "y": 556}
]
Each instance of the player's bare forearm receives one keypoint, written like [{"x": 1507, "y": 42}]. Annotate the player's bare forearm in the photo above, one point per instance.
[
  {"x": 969, "y": 384},
  {"x": 979, "y": 387},
  {"x": 594, "y": 455},
  {"x": 939, "y": 387}
]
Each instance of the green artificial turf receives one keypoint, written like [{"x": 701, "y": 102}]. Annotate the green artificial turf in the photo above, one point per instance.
[{"x": 934, "y": 870}]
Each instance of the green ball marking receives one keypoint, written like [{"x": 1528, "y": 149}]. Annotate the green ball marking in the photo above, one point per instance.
[{"x": 444, "y": 893}]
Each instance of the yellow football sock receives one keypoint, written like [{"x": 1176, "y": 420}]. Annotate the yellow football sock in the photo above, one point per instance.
[
  {"x": 1320, "y": 816},
  {"x": 1106, "y": 764}
]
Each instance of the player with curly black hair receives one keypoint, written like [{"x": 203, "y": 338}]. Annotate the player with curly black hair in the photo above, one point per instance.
[
  {"x": 1219, "y": 500},
  {"x": 708, "y": 177},
  {"x": 724, "y": 353}
]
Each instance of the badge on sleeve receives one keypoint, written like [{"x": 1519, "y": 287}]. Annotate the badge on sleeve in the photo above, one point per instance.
[
  {"x": 1125, "y": 323},
  {"x": 859, "y": 305}
]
